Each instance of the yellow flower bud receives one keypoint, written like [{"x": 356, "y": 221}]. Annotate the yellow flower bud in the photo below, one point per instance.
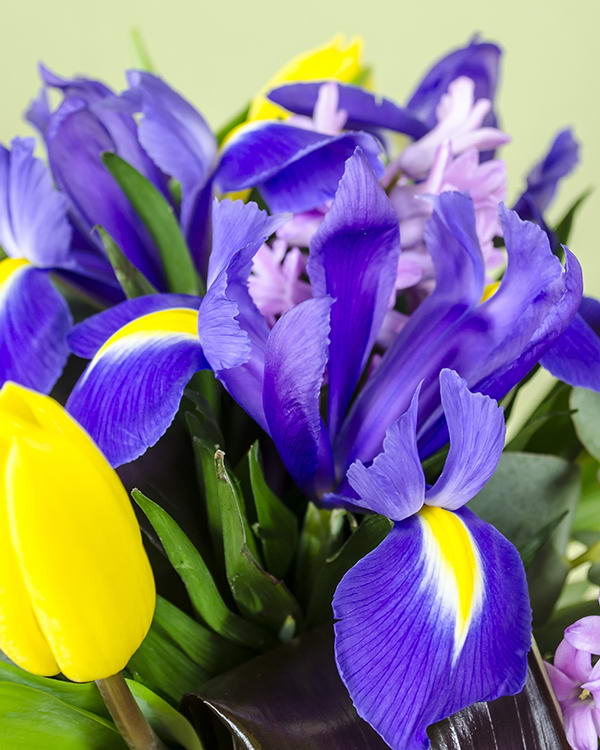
[{"x": 76, "y": 589}]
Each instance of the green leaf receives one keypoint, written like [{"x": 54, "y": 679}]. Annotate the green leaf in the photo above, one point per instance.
[
  {"x": 207, "y": 649},
  {"x": 526, "y": 491},
  {"x": 132, "y": 281},
  {"x": 258, "y": 594},
  {"x": 549, "y": 429},
  {"x": 143, "y": 59},
  {"x": 320, "y": 538},
  {"x": 529, "y": 550},
  {"x": 586, "y": 418},
  {"x": 32, "y": 719},
  {"x": 371, "y": 532},
  {"x": 363, "y": 75},
  {"x": 159, "y": 219},
  {"x": 200, "y": 585},
  {"x": 586, "y": 526},
  {"x": 236, "y": 120},
  {"x": 163, "y": 667},
  {"x": 277, "y": 526},
  {"x": 564, "y": 226},
  {"x": 168, "y": 723},
  {"x": 80, "y": 695},
  {"x": 206, "y": 440},
  {"x": 551, "y": 633}
]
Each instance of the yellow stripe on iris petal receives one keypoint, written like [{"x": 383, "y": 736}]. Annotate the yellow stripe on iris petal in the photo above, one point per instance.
[
  {"x": 454, "y": 560},
  {"x": 176, "y": 320},
  {"x": 9, "y": 267}
]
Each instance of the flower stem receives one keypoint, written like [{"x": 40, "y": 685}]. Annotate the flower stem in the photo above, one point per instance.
[
  {"x": 126, "y": 714},
  {"x": 590, "y": 555}
]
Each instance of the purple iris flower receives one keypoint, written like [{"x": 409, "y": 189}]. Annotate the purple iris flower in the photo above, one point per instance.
[
  {"x": 172, "y": 140},
  {"x": 276, "y": 374},
  {"x": 576, "y": 682},
  {"x": 437, "y": 617},
  {"x": 36, "y": 239}
]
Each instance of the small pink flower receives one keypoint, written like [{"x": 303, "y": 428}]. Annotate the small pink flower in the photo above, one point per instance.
[
  {"x": 576, "y": 682},
  {"x": 275, "y": 283},
  {"x": 327, "y": 118},
  {"x": 460, "y": 120}
]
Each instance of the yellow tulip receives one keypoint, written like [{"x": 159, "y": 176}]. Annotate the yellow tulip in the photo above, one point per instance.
[{"x": 76, "y": 589}]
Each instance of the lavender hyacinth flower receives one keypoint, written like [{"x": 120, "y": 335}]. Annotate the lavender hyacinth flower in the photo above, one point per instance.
[
  {"x": 437, "y": 616},
  {"x": 576, "y": 682}
]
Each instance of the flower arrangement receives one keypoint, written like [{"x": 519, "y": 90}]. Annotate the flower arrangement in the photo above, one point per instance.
[{"x": 297, "y": 343}]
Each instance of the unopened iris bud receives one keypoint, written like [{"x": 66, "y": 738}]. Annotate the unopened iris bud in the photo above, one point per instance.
[{"x": 76, "y": 589}]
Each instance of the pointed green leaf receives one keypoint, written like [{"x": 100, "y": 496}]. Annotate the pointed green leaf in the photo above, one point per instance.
[
  {"x": 371, "y": 532},
  {"x": 232, "y": 123},
  {"x": 320, "y": 538},
  {"x": 31, "y": 718},
  {"x": 258, "y": 594},
  {"x": 586, "y": 418},
  {"x": 132, "y": 281},
  {"x": 564, "y": 226},
  {"x": 277, "y": 525},
  {"x": 200, "y": 585},
  {"x": 159, "y": 219},
  {"x": 207, "y": 649},
  {"x": 144, "y": 61}
]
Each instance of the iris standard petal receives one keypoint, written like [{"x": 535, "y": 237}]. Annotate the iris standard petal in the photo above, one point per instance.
[
  {"x": 33, "y": 215},
  {"x": 76, "y": 140},
  {"x": 130, "y": 392},
  {"x": 295, "y": 169},
  {"x": 34, "y": 323},
  {"x": 353, "y": 259},
  {"x": 434, "y": 619},
  {"x": 394, "y": 484},
  {"x": 365, "y": 110},
  {"x": 92, "y": 594},
  {"x": 419, "y": 349},
  {"x": 476, "y": 427},
  {"x": 543, "y": 180},
  {"x": 295, "y": 361}
]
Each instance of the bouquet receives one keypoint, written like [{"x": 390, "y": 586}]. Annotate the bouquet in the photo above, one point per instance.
[{"x": 257, "y": 485}]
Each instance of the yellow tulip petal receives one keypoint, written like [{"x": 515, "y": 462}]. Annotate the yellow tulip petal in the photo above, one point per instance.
[
  {"x": 20, "y": 636},
  {"x": 75, "y": 539},
  {"x": 336, "y": 60}
]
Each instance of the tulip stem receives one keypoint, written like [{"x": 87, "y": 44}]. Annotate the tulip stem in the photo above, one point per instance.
[{"x": 126, "y": 714}]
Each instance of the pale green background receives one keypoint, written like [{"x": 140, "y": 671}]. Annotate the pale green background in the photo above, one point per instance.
[{"x": 219, "y": 53}]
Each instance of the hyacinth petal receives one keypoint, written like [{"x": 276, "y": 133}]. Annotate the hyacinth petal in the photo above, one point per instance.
[
  {"x": 575, "y": 356},
  {"x": 76, "y": 141},
  {"x": 56, "y": 480},
  {"x": 353, "y": 258},
  {"x": 579, "y": 726},
  {"x": 476, "y": 427},
  {"x": 585, "y": 634},
  {"x": 130, "y": 392},
  {"x": 418, "y": 351},
  {"x": 479, "y": 61},
  {"x": 34, "y": 323},
  {"x": 295, "y": 361},
  {"x": 295, "y": 169},
  {"x": 562, "y": 685},
  {"x": 434, "y": 619},
  {"x": 364, "y": 110},
  {"x": 394, "y": 484},
  {"x": 33, "y": 215}
]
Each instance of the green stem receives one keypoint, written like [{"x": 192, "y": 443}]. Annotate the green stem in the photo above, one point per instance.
[
  {"x": 126, "y": 714},
  {"x": 590, "y": 555}
]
